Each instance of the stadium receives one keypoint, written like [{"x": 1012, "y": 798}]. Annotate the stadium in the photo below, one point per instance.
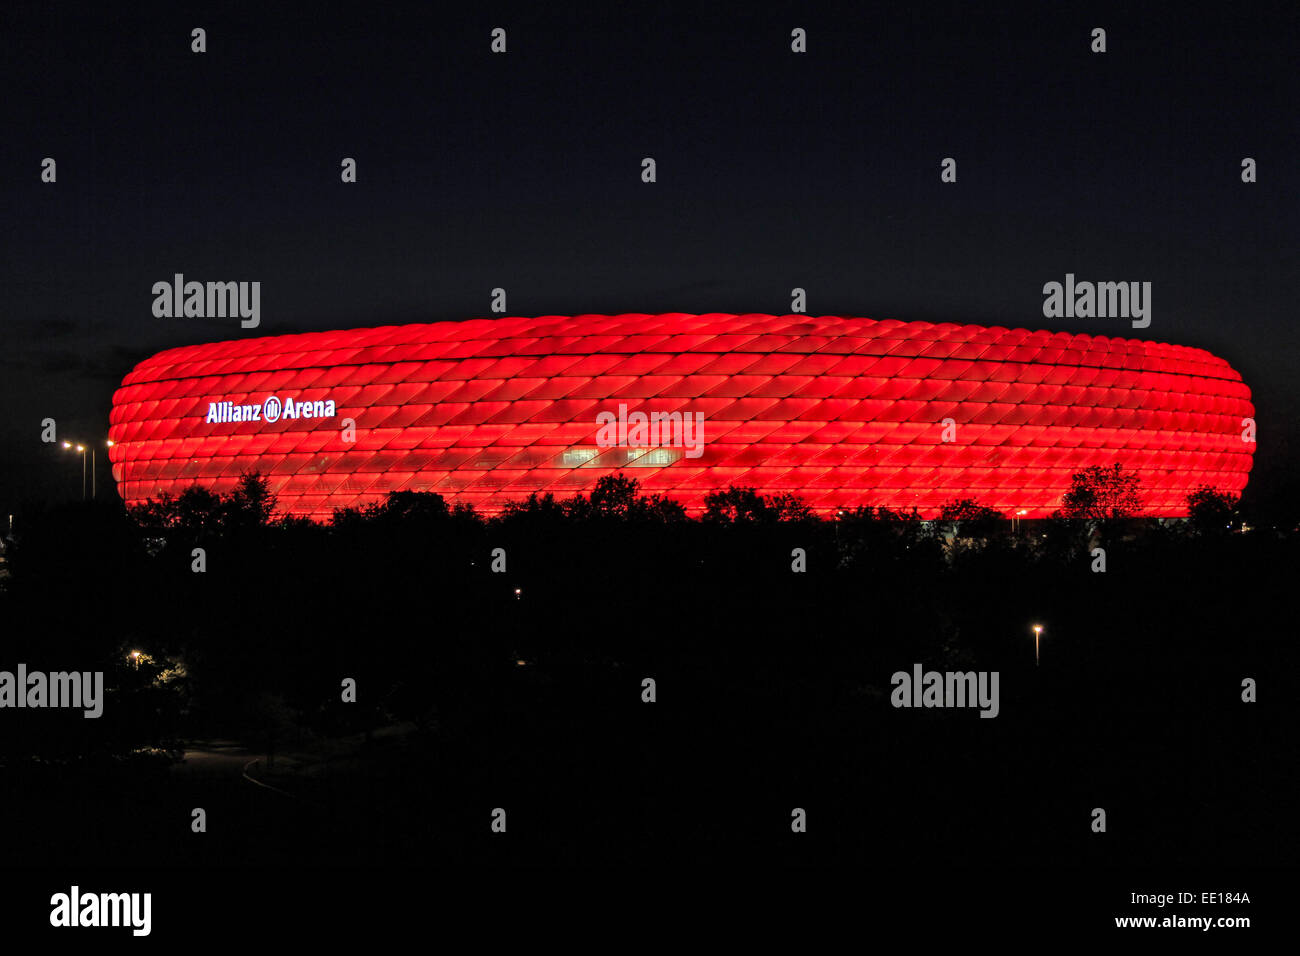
[{"x": 841, "y": 411}]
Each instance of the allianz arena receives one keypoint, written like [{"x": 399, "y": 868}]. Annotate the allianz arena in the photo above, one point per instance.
[{"x": 841, "y": 411}]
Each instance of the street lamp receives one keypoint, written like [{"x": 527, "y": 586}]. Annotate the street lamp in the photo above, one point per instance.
[
  {"x": 81, "y": 449},
  {"x": 1038, "y": 629},
  {"x": 108, "y": 443}
]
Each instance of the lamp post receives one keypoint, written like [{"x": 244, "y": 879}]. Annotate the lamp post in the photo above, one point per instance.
[
  {"x": 1038, "y": 629},
  {"x": 108, "y": 443},
  {"x": 81, "y": 449}
]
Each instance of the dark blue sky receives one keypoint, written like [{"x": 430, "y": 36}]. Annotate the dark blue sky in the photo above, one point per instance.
[{"x": 522, "y": 171}]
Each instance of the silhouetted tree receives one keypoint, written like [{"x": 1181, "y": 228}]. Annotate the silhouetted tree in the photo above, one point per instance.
[
  {"x": 250, "y": 505},
  {"x": 662, "y": 509},
  {"x": 1060, "y": 540},
  {"x": 790, "y": 507},
  {"x": 411, "y": 506},
  {"x": 1210, "y": 512},
  {"x": 614, "y": 496},
  {"x": 535, "y": 506},
  {"x": 195, "y": 514},
  {"x": 1103, "y": 494},
  {"x": 967, "y": 518},
  {"x": 735, "y": 505},
  {"x": 199, "y": 512},
  {"x": 740, "y": 505},
  {"x": 874, "y": 538}
]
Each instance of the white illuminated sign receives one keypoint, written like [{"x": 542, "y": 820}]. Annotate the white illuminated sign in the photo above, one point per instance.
[{"x": 271, "y": 410}]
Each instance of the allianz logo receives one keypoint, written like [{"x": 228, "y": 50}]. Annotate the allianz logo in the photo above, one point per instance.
[{"x": 271, "y": 410}]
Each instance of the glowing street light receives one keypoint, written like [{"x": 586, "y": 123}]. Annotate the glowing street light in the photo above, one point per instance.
[
  {"x": 1038, "y": 629},
  {"x": 81, "y": 450}
]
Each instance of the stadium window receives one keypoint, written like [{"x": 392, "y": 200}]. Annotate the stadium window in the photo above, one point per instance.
[{"x": 577, "y": 457}]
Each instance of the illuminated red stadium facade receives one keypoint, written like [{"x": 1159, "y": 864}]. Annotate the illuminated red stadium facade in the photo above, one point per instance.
[{"x": 842, "y": 411}]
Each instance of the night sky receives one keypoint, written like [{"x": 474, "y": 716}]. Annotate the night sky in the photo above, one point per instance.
[{"x": 522, "y": 171}]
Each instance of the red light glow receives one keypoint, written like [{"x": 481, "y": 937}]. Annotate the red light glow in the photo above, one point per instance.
[{"x": 842, "y": 411}]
